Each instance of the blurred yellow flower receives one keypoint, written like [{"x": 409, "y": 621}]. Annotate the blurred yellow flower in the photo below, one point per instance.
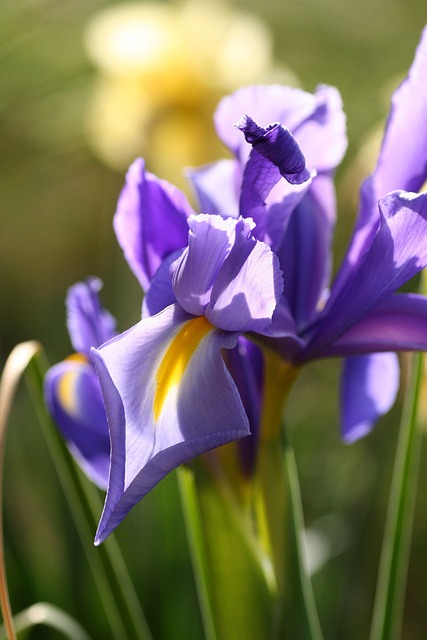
[{"x": 162, "y": 69}]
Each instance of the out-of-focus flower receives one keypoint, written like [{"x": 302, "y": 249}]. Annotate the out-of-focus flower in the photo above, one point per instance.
[
  {"x": 162, "y": 69},
  {"x": 72, "y": 391}
]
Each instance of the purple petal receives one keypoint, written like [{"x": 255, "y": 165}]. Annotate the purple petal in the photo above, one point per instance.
[
  {"x": 217, "y": 186},
  {"x": 248, "y": 286},
  {"x": 160, "y": 294},
  {"x": 305, "y": 253},
  {"x": 406, "y": 133},
  {"x": 369, "y": 387},
  {"x": 89, "y": 325},
  {"x": 245, "y": 363},
  {"x": 277, "y": 145},
  {"x": 169, "y": 398},
  {"x": 398, "y": 252},
  {"x": 209, "y": 242},
  {"x": 396, "y": 324},
  {"x": 74, "y": 400},
  {"x": 276, "y": 212},
  {"x": 150, "y": 221},
  {"x": 406, "y": 140}
]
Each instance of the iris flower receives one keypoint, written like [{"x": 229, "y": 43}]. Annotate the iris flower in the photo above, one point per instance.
[
  {"x": 187, "y": 378},
  {"x": 71, "y": 388}
]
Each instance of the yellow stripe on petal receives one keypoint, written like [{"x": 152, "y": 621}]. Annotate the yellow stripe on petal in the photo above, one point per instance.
[
  {"x": 67, "y": 385},
  {"x": 176, "y": 359}
]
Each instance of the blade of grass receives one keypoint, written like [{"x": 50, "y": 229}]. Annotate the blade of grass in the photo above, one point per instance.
[
  {"x": 15, "y": 366},
  {"x": 43, "y": 613},
  {"x": 392, "y": 575},
  {"x": 112, "y": 579}
]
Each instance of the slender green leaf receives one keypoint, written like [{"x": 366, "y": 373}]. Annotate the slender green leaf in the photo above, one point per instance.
[
  {"x": 15, "y": 366},
  {"x": 392, "y": 576},
  {"x": 299, "y": 619}
]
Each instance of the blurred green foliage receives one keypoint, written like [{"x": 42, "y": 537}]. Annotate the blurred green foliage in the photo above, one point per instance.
[{"x": 56, "y": 207}]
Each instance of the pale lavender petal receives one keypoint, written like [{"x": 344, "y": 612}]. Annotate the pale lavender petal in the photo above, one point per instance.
[
  {"x": 209, "y": 242},
  {"x": 369, "y": 387},
  {"x": 277, "y": 145},
  {"x": 398, "y": 252},
  {"x": 317, "y": 121},
  {"x": 398, "y": 323},
  {"x": 217, "y": 187},
  {"x": 200, "y": 409},
  {"x": 248, "y": 286},
  {"x": 402, "y": 163},
  {"x": 266, "y": 104},
  {"x": 73, "y": 398},
  {"x": 322, "y": 135},
  {"x": 150, "y": 221}
]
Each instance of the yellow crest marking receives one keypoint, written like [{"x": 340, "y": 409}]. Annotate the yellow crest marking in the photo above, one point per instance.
[
  {"x": 67, "y": 384},
  {"x": 176, "y": 359}
]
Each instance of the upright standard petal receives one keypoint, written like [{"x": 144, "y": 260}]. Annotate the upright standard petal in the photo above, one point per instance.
[
  {"x": 210, "y": 240},
  {"x": 74, "y": 400},
  {"x": 368, "y": 391},
  {"x": 316, "y": 120},
  {"x": 169, "y": 397},
  {"x": 402, "y": 163},
  {"x": 217, "y": 187},
  {"x": 89, "y": 325},
  {"x": 150, "y": 221},
  {"x": 248, "y": 286}
]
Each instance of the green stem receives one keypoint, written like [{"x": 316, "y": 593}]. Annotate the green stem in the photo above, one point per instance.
[
  {"x": 196, "y": 543},
  {"x": 300, "y": 618},
  {"x": 115, "y": 588},
  {"x": 392, "y": 576}
]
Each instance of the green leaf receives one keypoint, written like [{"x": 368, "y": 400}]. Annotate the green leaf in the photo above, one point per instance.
[{"x": 392, "y": 576}]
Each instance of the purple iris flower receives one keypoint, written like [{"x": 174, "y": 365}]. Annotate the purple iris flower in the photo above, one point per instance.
[
  {"x": 187, "y": 377},
  {"x": 71, "y": 388},
  {"x": 168, "y": 394}
]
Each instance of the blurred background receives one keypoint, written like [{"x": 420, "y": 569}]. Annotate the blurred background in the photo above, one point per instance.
[{"x": 84, "y": 88}]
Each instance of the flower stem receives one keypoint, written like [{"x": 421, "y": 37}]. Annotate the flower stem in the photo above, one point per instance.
[
  {"x": 392, "y": 576},
  {"x": 300, "y": 606}
]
